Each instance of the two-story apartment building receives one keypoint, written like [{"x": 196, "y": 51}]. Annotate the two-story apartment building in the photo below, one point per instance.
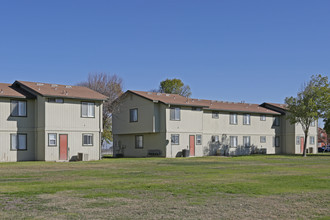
[
  {"x": 149, "y": 124},
  {"x": 49, "y": 122}
]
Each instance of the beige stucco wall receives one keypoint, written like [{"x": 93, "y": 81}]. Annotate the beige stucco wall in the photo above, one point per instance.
[
  {"x": 13, "y": 125},
  {"x": 147, "y": 114}
]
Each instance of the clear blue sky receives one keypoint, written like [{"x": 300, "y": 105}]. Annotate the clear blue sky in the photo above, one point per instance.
[{"x": 229, "y": 50}]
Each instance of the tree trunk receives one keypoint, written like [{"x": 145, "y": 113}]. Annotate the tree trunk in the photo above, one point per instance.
[{"x": 305, "y": 143}]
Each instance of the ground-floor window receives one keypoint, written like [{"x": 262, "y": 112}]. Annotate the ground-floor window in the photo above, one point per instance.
[
  {"x": 277, "y": 141},
  {"x": 139, "y": 141},
  {"x": 233, "y": 141},
  {"x": 215, "y": 138},
  {"x": 297, "y": 140},
  {"x": 52, "y": 139},
  {"x": 87, "y": 139},
  {"x": 175, "y": 139},
  {"x": 18, "y": 141},
  {"x": 246, "y": 141},
  {"x": 262, "y": 139},
  {"x": 198, "y": 139}
]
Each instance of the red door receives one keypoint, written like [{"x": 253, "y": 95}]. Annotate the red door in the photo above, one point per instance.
[
  {"x": 192, "y": 145},
  {"x": 301, "y": 144},
  {"x": 63, "y": 146}
]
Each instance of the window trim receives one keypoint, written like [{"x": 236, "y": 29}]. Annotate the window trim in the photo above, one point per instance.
[
  {"x": 245, "y": 122},
  {"x": 11, "y": 109},
  {"x": 215, "y": 114},
  {"x": 230, "y": 122},
  {"x": 261, "y": 141},
  {"x": 81, "y": 115},
  {"x": 230, "y": 142},
  {"x": 263, "y": 117},
  {"x": 17, "y": 138},
  {"x": 88, "y": 145},
  {"x": 136, "y": 142},
  {"x": 178, "y": 139},
  {"x": 173, "y": 108},
  {"x": 52, "y": 145},
  {"x": 197, "y": 139},
  {"x": 137, "y": 115}
]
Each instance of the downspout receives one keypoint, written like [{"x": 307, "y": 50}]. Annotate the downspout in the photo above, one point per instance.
[{"x": 100, "y": 129}]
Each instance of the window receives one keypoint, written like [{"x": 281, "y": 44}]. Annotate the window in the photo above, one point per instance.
[
  {"x": 139, "y": 141},
  {"x": 198, "y": 139},
  {"x": 175, "y": 114},
  {"x": 87, "y": 109},
  {"x": 233, "y": 119},
  {"x": 215, "y": 138},
  {"x": 18, "y": 141},
  {"x": 297, "y": 140},
  {"x": 313, "y": 124},
  {"x": 311, "y": 140},
  {"x": 52, "y": 139},
  {"x": 246, "y": 141},
  {"x": 215, "y": 114},
  {"x": 88, "y": 139},
  {"x": 18, "y": 108},
  {"x": 262, "y": 117},
  {"x": 196, "y": 109},
  {"x": 277, "y": 121},
  {"x": 133, "y": 115},
  {"x": 262, "y": 139},
  {"x": 277, "y": 141},
  {"x": 246, "y": 119},
  {"x": 55, "y": 100},
  {"x": 175, "y": 139},
  {"x": 233, "y": 141}
]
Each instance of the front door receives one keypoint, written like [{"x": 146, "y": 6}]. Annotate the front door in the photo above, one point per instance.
[
  {"x": 192, "y": 145},
  {"x": 63, "y": 146},
  {"x": 302, "y": 144}
]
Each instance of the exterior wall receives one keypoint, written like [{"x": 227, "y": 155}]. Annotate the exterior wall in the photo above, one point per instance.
[
  {"x": 147, "y": 114},
  {"x": 43, "y": 118},
  {"x": 13, "y": 125},
  {"x": 151, "y": 141}
]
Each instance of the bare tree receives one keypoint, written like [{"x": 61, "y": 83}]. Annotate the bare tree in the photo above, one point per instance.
[{"x": 109, "y": 85}]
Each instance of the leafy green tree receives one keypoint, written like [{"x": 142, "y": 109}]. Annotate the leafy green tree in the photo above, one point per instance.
[
  {"x": 174, "y": 86},
  {"x": 110, "y": 86},
  {"x": 311, "y": 103},
  {"x": 327, "y": 125}
]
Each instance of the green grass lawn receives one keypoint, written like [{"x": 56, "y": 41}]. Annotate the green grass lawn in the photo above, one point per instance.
[{"x": 250, "y": 187}]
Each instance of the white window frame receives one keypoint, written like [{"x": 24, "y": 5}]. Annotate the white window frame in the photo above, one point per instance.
[
  {"x": 18, "y": 108},
  {"x": 16, "y": 142},
  {"x": 52, "y": 139},
  {"x": 175, "y": 114},
  {"x": 90, "y": 110},
  {"x": 233, "y": 141},
  {"x": 262, "y": 117},
  {"x": 233, "y": 119},
  {"x": 198, "y": 139},
  {"x": 311, "y": 140},
  {"x": 91, "y": 139},
  {"x": 297, "y": 140},
  {"x": 313, "y": 123},
  {"x": 215, "y": 138},
  {"x": 175, "y": 139},
  {"x": 263, "y": 139},
  {"x": 246, "y": 141},
  {"x": 246, "y": 119}
]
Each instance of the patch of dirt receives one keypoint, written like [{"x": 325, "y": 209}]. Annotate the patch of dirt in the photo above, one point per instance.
[{"x": 156, "y": 205}]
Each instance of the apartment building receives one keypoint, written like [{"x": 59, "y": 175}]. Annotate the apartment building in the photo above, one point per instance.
[
  {"x": 49, "y": 122},
  {"x": 159, "y": 124}
]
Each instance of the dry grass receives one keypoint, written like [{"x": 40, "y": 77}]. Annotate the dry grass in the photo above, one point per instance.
[{"x": 259, "y": 187}]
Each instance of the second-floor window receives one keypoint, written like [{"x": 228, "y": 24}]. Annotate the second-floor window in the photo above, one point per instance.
[
  {"x": 175, "y": 114},
  {"x": 18, "y": 108},
  {"x": 233, "y": 119},
  {"x": 277, "y": 121},
  {"x": 133, "y": 115},
  {"x": 246, "y": 119},
  {"x": 313, "y": 124},
  {"x": 262, "y": 117},
  {"x": 311, "y": 140},
  {"x": 215, "y": 114},
  {"x": 87, "y": 110}
]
